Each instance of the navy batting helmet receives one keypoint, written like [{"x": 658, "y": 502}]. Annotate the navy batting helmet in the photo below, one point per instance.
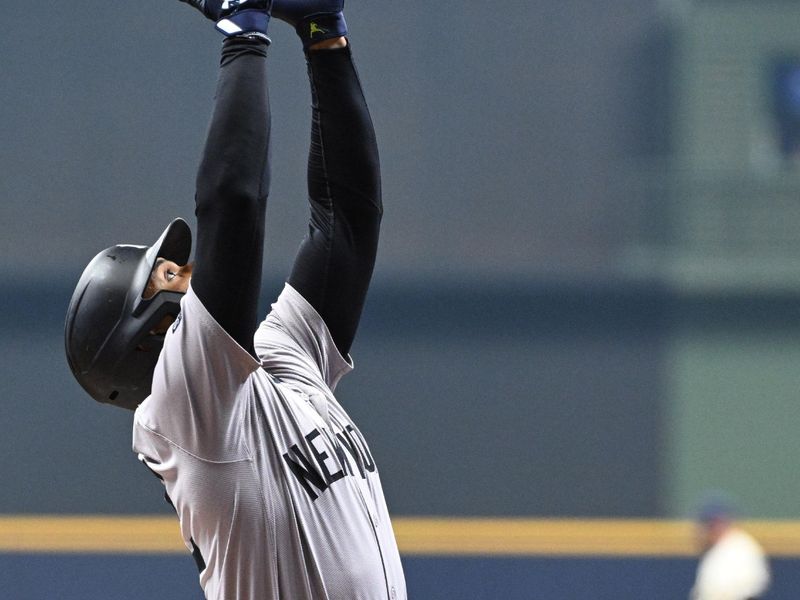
[{"x": 111, "y": 347}]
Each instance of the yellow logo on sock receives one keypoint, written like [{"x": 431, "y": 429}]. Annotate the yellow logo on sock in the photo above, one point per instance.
[{"x": 314, "y": 28}]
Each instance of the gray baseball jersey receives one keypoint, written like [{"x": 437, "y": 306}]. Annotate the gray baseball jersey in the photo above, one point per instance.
[{"x": 275, "y": 488}]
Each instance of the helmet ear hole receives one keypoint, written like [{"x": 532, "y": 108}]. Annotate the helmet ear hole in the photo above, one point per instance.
[{"x": 113, "y": 395}]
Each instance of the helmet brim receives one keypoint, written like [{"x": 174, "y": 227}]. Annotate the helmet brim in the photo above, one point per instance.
[{"x": 174, "y": 244}]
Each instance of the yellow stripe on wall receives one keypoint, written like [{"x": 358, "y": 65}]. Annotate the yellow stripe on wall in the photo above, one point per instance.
[
  {"x": 416, "y": 536},
  {"x": 126, "y": 535},
  {"x": 575, "y": 537}
]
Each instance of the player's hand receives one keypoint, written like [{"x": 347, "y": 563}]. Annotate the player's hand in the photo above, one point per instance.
[
  {"x": 314, "y": 21},
  {"x": 216, "y": 9},
  {"x": 210, "y": 9},
  {"x": 295, "y": 11},
  {"x": 236, "y": 17}
]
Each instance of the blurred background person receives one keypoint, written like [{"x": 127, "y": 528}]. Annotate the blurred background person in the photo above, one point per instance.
[{"x": 733, "y": 565}]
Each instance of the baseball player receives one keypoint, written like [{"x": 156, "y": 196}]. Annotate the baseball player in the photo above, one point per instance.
[{"x": 276, "y": 490}]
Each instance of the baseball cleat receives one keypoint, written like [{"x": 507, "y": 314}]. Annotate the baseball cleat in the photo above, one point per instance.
[{"x": 313, "y": 20}]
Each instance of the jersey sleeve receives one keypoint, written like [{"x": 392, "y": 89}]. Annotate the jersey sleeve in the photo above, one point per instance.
[
  {"x": 199, "y": 381},
  {"x": 294, "y": 343}
]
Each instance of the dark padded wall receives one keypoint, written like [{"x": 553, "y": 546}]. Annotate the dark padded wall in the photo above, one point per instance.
[{"x": 499, "y": 370}]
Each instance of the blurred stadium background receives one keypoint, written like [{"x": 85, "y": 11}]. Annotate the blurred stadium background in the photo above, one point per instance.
[{"x": 586, "y": 309}]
